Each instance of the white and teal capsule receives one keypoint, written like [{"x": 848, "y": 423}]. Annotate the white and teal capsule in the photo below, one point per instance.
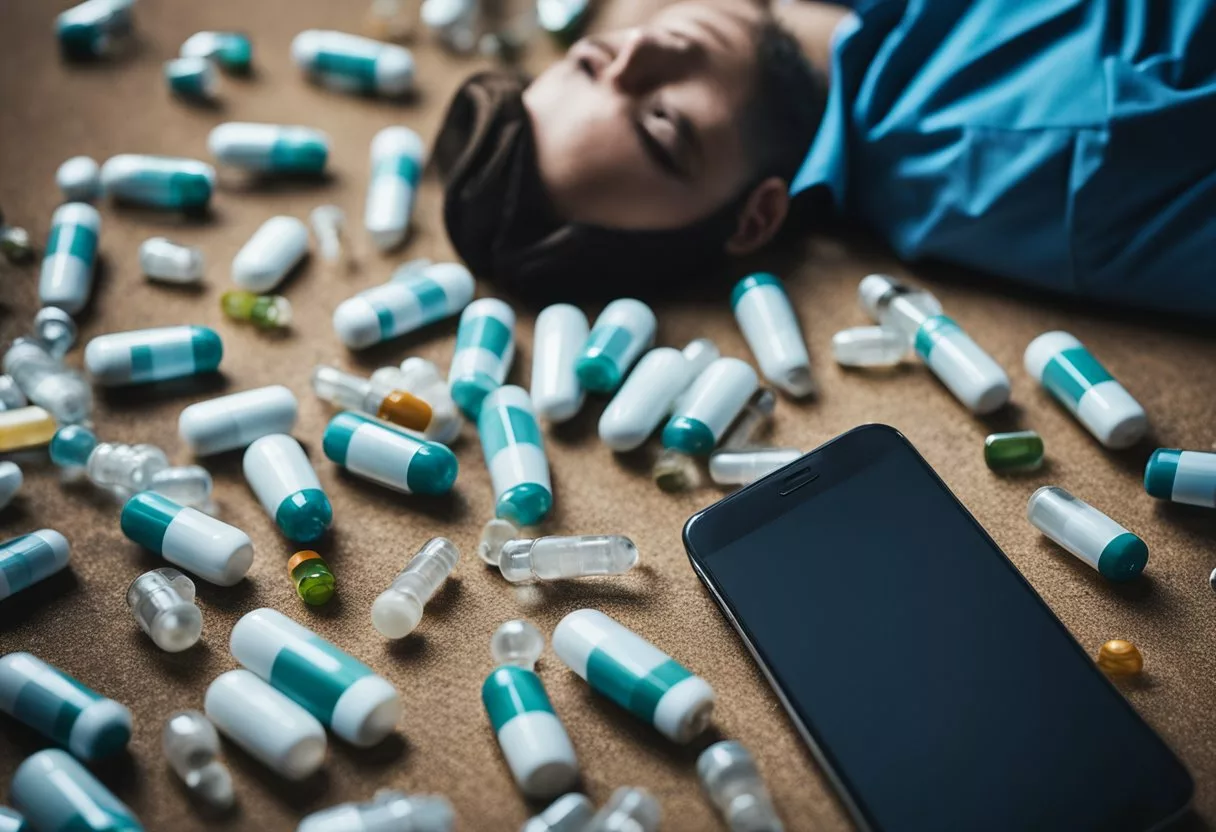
[
  {"x": 79, "y": 178},
  {"x": 389, "y": 811},
  {"x": 233, "y": 51},
  {"x": 271, "y": 727},
  {"x": 200, "y": 544},
  {"x": 270, "y": 148},
  {"x": 770, "y": 327},
  {"x": 66, "y": 280},
  {"x": 158, "y": 181},
  {"x": 340, "y": 691},
  {"x": 94, "y": 29},
  {"x": 622, "y": 332},
  {"x": 57, "y": 794},
  {"x": 1087, "y": 533},
  {"x": 11, "y": 480},
  {"x": 515, "y": 454},
  {"x": 30, "y": 558},
  {"x": 485, "y": 347},
  {"x": 193, "y": 79},
  {"x": 1074, "y": 378},
  {"x": 1182, "y": 477},
  {"x": 710, "y": 405},
  {"x": 143, "y": 356},
  {"x": 11, "y": 821},
  {"x": 282, "y": 478},
  {"x": 557, "y": 339},
  {"x": 634, "y": 674},
  {"x": 61, "y": 708},
  {"x": 397, "y": 159},
  {"x": 410, "y": 300},
  {"x": 350, "y": 63},
  {"x": 388, "y": 455}
]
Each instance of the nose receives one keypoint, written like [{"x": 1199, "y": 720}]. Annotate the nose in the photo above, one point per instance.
[{"x": 646, "y": 60}]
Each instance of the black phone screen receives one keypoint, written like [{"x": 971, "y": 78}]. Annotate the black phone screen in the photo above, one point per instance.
[{"x": 936, "y": 685}]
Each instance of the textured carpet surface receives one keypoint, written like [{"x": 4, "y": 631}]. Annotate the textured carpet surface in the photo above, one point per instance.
[{"x": 79, "y": 621}]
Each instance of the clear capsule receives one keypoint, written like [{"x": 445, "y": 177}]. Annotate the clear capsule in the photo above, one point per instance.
[
  {"x": 124, "y": 469},
  {"x": 869, "y": 346},
  {"x": 166, "y": 182},
  {"x": 630, "y": 809},
  {"x": 25, "y": 427},
  {"x": 165, "y": 261},
  {"x": 740, "y": 467},
  {"x": 757, "y": 415},
  {"x": 192, "y": 79},
  {"x": 569, "y": 813},
  {"x": 56, "y": 330},
  {"x": 730, "y": 778},
  {"x": 186, "y": 485},
  {"x": 47, "y": 383},
  {"x": 79, "y": 178},
  {"x": 11, "y": 480},
  {"x": 517, "y": 643},
  {"x": 1087, "y": 533},
  {"x": 558, "y": 558},
  {"x": 348, "y": 390},
  {"x": 329, "y": 227},
  {"x": 675, "y": 471},
  {"x": 192, "y": 747},
  {"x": 454, "y": 22},
  {"x": 494, "y": 535},
  {"x": 389, "y": 811},
  {"x": 233, "y": 51},
  {"x": 263, "y": 311},
  {"x": 422, "y": 378},
  {"x": 162, "y": 602},
  {"x": 397, "y": 610},
  {"x": 11, "y": 396}
]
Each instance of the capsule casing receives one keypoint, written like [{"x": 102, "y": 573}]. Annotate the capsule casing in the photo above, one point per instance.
[
  {"x": 485, "y": 347},
  {"x": 269, "y": 148},
  {"x": 634, "y": 674},
  {"x": 1087, "y": 533},
  {"x": 269, "y": 726},
  {"x": 25, "y": 427},
  {"x": 147, "y": 355},
  {"x": 770, "y": 327},
  {"x": 287, "y": 487},
  {"x": 31, "y": 558},
  {"x": 1182, "y": 476},
  {"x": 350, "y": 63},
  {"x": 158, "y": 181},
  {"x": 646, "y": 398},
  {"x": 403, "y": 304},
  {"x": 533, "y": 741},
  {"x": 200, "y": 544},
  {"x": 66, "y": 280},
  {"x": 388, "y": 455},
  {"x": 709, "y": 406},
  {"x": 968, "y": 372},
  {"x": 621, "y": 333},
  {"x": 58, "y": 794},
  {"x": 93, "y": 29},
  {"x": 569, "y": 813},
  {"x": 342, "y": 692},
  {"x": 1075, "y": 379},
  {"x": 515, "y": 454},
  {"x": 389, "y": 811},
  {"x": 231, "y": 50},
  {"x": 169, "y": 262},
  {"x": 61, "y": 708},
  {"x": 558, "y": 338},
  {"x": 397, "y": 153},
  {"x": 233, "y": 421},
  {"x": 193, "y": 79},
  {"x": 270, "y": 254}
]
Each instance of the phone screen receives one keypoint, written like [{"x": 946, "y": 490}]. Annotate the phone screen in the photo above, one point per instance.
[{"x": 934, "y": 682}]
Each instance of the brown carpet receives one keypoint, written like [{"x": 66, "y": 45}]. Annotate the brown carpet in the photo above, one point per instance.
[{"x": 79, "y": 621}]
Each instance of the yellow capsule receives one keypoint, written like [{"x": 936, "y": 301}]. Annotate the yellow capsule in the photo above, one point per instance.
[
  {"x": 405, "y": 409},
  {"x": 25, "y": 427},
  {"x": 1120, "y": 658}
]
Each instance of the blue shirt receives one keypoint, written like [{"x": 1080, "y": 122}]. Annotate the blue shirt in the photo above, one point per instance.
[{"x": 1066, "y": 144}]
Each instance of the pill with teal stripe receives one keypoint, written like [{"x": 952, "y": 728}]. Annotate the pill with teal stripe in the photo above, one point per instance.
[
  {"x": 968, "y": 372},
  {"x": 336, "y": 688},
  {"x": 515, "y": 454},
  {"x": 30, "y": 558},
  {"x": 715, "y": 399},
  {"x": 1182, "y": 476},
  {"x": 193, "y": 79},
  {"x": 770, "y": 327},
  {"x": 1074, "y": 378},
  {"x": 388, "y": 455},
  {"x": 61, "y": 708},
  {"x": 270, "y": 148},
  {"x": 282, "y": 478},
  {"x": 1087, "y": 533},
  {"x": 94, "y": 29},
  {"x": 350, "y": 63},
  {"x": 142, "y": 356},
  {"x": 57, "y": 794},
  {"x": 634, "y": 674},
  {"x": 12, "y": 821},
  {"x": 622, "y": 332},
  {"x": 485, "y": 347},
  {"x": 66, "y": 280},
  {"x": 397, "y": 157},
  {"x": 197, "y": 542},
  {"x": 410, "y": 300},
  {"x": 158, "y": 181},
  {"x": 233, "y": 51}
]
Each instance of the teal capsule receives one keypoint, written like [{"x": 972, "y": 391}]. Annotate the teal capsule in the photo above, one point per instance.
[
  {"x": 233, "y": 51},
  {"x": 147, "y": 355},
  {"x": 285, "y": 483},
  {"x": 1182, "y": 476},
  {"x": 1018, "y": 451},
  {"x": 66, "y": 280},
  {"x": 192, "y": 78},
  {"x": 270, "y": 148},
  {"x": 622, "y": 332},
  {"x": 94, "y": 29},
  {"x": 515, "y": 454},
  {"x": 532, "y": 738},
  {"x": 158, "y": 181},
  {"x": 57, "y": 794},
  {"x": 71, "y": 446},
  {"x": 10, "y": 821},
  {"x": 389, "y": 455},
  {"x": 30, "y": 558},
  {"x": 485, "y": 347},
  {"x": 61, "y": 708}
]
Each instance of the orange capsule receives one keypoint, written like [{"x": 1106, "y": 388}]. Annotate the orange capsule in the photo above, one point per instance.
[
  {"x": 405, "y": 409},
  {"x": 1120, "y": 658}
]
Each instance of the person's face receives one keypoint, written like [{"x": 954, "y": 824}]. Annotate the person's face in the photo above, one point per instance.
[{"x": 639, "y": 128}]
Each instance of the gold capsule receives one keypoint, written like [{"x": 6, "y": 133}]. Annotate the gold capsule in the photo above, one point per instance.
[{"x": 1120, "y": 658}]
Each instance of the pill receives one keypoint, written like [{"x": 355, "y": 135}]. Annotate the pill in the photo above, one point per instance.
[
  {"x": 770, "y": 327},
  {"x": 158, "y": 181},
  {"x": 1087, "y": 533},
  {"x": 165, "y": 261},
  {"x": 404, "y": 304},
  {"x": 422, "y": 378},
  {"x": 233, "y": 51},
  {"x": 1074, "y": 378},
  {"x": 389, "y": 456},
  {"x": 11, "y": 396},
  {"x": 1120, "y": 658},
  {"x": 274, "y": 250},
  {"x": 11, "y": 821},
  {"x": 730, "y": 778},
  {"x": 397, "y": 611},
  {"x": 11, "y": 480},
  {"x": 269, "y": 148},
  {"x": 515, "y": 454},
  {"x": 58, "y": 794},
  {"x": 233, "y": 421},
  {"x": 47, "y": 382},
  {"x": 146, "y": 355},
  {"x": 342, "y": 692},
  {"x": 629, "y": 808},
  {"x": 757, "y": 415},
  {"x": 263, "y": 311},
  {"x": 312, "y": 577},
  {"x": 675, "y": 471},
  {"x": 485, "y": 347},
  {"x": 495, "y": 534},
  {"x": 30, "y": 558},
  {"x": 192, "y": 747},
  {"x": 622, "y": 332},
  {"x": 61, "y": 708},
  {"x": 389, "y": 811},
  {"x": 381, "y": 397},
  {"x": 397, "y": 158},
  {"x": 329, "y": 227},
  {"x": 559, "y": 335},
  {"x": 1020, "y": 450},
  {"x": 555, "y": 558},
  {"x": 350, "y": 63},
  {"x": 869, "y": 346},
  {"x": 270, "y": 727},
  {"x": 563, "y": 19},
  {"x": 207, "y": 547},
  {"x": 712, "y": 403},
  {"x": 66, "y": 279},
  {"x": 56, "y": 331},
  {"x": 286, "y": 485},
  {"x": 25, "y": 427},
  {"x": 79, "y": 178},
  {"x": 569, "y": 813},
  {"x": 651, "y": 391},
  {"x": 162, "y": 602},
  {"x": 740, "y": 467},
  {"x": 94, "y": 29},
  {"x": 1182, "y": 476},
  {"x": 192, "y": 79}
]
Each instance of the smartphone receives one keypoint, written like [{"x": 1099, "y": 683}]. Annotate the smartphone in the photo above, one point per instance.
[{"x": 932, "y": 684}]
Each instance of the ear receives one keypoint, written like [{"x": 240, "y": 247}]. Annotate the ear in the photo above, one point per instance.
[{"x": 762, "y": 216}]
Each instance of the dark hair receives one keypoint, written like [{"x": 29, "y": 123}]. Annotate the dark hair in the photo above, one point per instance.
[{"x": 786, "y": 108}]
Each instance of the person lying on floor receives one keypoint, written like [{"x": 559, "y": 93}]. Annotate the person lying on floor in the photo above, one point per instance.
[{"x": 1064, "y": 144}]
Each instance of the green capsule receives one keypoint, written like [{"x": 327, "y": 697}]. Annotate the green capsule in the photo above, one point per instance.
[
  {"x": 1018, "y": 451},
  {"x": 264, "y": 311},
  {"x": 312, "y": 577}
]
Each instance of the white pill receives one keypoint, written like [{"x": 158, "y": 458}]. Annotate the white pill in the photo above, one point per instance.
[
  {"x": 230, "y": 422},
  {"x": 80, "y": 179},
  {"x": 353, "y": 64},
  {"x": 769, "y": 325},
  {"x": 282, "y": 478},
  {"x": 652, "y": 391},
  {"x": 713, "y": 401},
  {"x": 163, "y": 260},
  {"x": 397, "y": 159},
  {"x": 268, "y": 725},
  {"x": 561, "y": 330},
  {"x": 269, "y": 148},
  {"x": 66, "y": 279},
  {"x": 272, "y": 252},
  {"x": 10, "y": 482}
]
